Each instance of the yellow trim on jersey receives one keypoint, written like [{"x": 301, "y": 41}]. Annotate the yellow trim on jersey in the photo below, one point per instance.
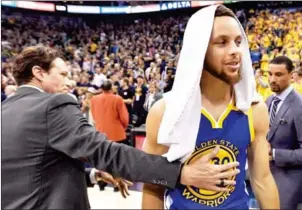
[
  {"x": 209, "y": 117},
  {"x": 251, "y": 124},
  {"x": 219, "y": 123}
]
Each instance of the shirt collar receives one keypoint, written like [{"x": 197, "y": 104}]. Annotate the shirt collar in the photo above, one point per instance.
[
  {"x": 32, "y": 86},
  {"x": 282, "y": 96}
]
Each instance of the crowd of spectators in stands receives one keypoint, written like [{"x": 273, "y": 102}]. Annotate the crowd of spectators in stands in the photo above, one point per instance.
[{"x": 138, "y": 54}]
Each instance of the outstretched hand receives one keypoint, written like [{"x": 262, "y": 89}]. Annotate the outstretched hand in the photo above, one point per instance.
[{"x": 122, "y": 184}]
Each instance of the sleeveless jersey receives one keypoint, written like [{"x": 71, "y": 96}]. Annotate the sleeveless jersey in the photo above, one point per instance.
[{"x": 233, "y": 132}]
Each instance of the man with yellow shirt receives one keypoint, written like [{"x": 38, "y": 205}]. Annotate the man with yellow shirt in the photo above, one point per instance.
[
  {"x": 297, "y": 80},
  {"x": 294, "y": 56},
  {"x": 264, "y": 62},
  {"x": 261, "y": 83}
]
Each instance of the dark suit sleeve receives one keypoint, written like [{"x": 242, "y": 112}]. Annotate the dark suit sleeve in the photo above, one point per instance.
[
  {"x": 286, "y": 157},
  {"x": 87, "y": 177},
  {"x": 70, "y": 133}
]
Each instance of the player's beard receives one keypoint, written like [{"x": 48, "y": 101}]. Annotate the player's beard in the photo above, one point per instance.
[{"x": 221, "y": 75}]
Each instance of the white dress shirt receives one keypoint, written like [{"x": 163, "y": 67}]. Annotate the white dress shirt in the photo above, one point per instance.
[
  {"x": 282, "y": 96},
  {"x": 32, "y": 86}
]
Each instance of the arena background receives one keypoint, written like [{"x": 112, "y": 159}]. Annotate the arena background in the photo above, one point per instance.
[{"x": 121, "y": 39}]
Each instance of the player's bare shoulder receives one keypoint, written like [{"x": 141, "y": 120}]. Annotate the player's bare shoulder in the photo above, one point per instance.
[
  {"x": 260, "y": 117},
  {"x": 153, "y": 122},
  {"x": 156, "y": 112}
]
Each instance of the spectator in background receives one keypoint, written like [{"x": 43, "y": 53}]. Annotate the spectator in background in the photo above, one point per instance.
[
  {"x": 139, "y": 100},
  {"x": 297, "y": 80},
  {"x": 160, "y": 84},
  {"x": 3, "y": 85},
  {"x": 10, "y": 90},
  {"x": 261, "y": 83},
  {"x": 153, "y": 95},
  {"x": 86, "y": 105},
  {"x": 127, "y": 94},
  {"x": 98, "y": 77},
  {"x": 112, "y": 108}
]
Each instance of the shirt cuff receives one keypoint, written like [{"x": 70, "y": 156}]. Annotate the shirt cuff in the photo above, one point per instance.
[
  {"x": 92, "y": 176},
  {"x": 273, "y": 153}
]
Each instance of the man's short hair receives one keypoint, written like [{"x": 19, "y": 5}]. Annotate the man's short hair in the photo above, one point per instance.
[
  {"x": 107, "y": 85},
  {"x": 126, "y": 80},
  {"x": 39, "y": 55},
  {"x": 224, "y": 11},
  {"x": 284, "y": 60}
]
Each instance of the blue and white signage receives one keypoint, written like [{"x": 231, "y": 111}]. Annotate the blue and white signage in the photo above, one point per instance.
[{"x": 174, "y": 5}]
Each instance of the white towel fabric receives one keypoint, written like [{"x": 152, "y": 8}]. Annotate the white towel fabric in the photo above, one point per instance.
[{"x": 180, "y": 123}]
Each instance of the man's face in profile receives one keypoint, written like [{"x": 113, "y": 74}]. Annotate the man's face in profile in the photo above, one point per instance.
[
  {"x": 223, "y": 57},
  {"x": 56, "y": 79}
]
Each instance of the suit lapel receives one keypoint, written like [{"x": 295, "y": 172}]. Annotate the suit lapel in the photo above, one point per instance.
[{"x": 284, "y": 107}]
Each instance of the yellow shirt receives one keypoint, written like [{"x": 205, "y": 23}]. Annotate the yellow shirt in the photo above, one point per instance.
[
  {"x": 268, "y": 92},
  {"x": 254, "y": 46},
  {"x": 279, "y": 42},
  {"x": 261, "y": 90},
  {"x": 266, "y": 42},
  {"x": 297, "y": 87},
  {"x": 294, "y": 57},
  {"x": 93, "y": 47},
  {"x": 264, "y": 62}
]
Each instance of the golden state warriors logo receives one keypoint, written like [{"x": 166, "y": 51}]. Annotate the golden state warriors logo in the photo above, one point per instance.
[{"x": 226, "y": 154}]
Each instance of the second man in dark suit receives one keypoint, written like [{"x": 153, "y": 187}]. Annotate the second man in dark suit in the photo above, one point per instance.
[{"x": 285, "y": 133}]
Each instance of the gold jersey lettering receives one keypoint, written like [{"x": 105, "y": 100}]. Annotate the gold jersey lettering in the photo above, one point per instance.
[
  {"x": 187, "y": 194},
  {"x": 228, "y": 153}
]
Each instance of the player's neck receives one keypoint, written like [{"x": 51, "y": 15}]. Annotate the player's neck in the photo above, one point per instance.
[{"x": 214, "y": 89}]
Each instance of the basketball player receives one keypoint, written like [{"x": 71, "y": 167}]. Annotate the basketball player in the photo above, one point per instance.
[{"x": 239, "y": 135}]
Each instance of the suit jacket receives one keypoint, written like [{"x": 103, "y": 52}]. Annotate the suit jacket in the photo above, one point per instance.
[
  {"x": 45, "y": 142},
  {"x": 110, "y": 115},
  {"x": 157, "y": 96},
  {"x": 285, "y": 136}
]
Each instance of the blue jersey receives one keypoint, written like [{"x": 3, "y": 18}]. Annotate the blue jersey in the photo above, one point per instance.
[{"x": 233, "y": 132}]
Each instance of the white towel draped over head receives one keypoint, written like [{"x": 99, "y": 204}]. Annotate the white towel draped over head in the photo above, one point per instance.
[{"x": 180, "y": 123}]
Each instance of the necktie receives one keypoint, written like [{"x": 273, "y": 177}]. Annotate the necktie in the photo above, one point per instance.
[{"x": 274, "y": 107}]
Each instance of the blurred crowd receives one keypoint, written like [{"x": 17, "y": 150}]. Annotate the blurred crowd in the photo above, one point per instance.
[
  {"x": 140, "y": 56},
  {"x": 274, "y": 33}
]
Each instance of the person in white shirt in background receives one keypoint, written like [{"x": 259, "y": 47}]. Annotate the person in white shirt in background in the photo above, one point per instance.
[
  {"x": 149, "y": 70},
  {"x": 153, "y": 95},
  {"x": 10, "y": 90},
  {"x": 99, "y": 77}
]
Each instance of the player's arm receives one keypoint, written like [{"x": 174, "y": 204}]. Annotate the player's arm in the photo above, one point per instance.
[
  {"x": 153, "y": 195},
  {"x": 262, "y": 181}
]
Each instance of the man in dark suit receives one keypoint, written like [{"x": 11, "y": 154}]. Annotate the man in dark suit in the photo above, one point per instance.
[
  {"x": 285, "y": 134},
  {"x": 46, "y": 140},
  {"x": 153, "y": 95}
]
